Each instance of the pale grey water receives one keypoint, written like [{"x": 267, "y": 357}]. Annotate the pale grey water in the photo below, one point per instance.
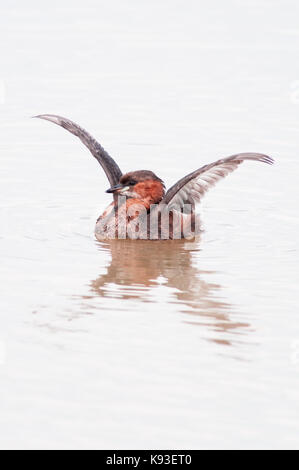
[{"x": 149, "y": 345}]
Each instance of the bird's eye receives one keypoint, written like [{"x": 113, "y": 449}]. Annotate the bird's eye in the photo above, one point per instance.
[{"x": 132, "y": 182}]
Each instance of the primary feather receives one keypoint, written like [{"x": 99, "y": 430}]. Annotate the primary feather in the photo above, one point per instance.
[
  {"x": 191, "y": 188},
  {"x": 110, "y": 167}
]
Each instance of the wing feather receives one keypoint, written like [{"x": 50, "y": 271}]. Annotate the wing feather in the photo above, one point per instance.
[
  {"x": 193, "y": 187},
  {"x": 110, "y": 167}
]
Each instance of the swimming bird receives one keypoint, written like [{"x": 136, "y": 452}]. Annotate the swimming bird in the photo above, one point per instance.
[{"x": 141, "y": 207}]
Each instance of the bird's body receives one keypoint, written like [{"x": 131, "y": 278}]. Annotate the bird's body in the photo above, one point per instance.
[
  {"x": 136, "y": 211},
  {"x": 141, "y": 209}
]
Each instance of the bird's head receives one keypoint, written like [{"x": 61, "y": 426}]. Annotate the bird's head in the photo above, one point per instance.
[{"x": 141, "y": 184}]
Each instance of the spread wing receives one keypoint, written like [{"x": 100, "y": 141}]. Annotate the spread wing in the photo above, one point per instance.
[
  {"x": 191, "y": 188},
  {"x": 109, "y": 165}
]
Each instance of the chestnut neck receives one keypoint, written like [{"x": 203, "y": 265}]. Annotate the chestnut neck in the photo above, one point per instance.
[{"x": 150, "y": 191}]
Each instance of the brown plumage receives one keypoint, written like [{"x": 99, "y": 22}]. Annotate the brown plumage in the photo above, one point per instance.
[{"x": 140, "y": 207}]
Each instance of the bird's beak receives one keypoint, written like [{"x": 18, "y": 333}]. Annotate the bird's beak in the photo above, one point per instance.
[{"x": 119, "y": 188}]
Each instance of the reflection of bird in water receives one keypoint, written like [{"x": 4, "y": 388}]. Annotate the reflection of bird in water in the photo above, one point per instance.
[
  {"x": 136, "y": 268},
  {"x": 141, "y": 208}
]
